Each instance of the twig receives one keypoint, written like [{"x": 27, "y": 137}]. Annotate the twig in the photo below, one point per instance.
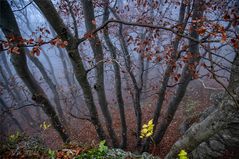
[
  {"x": 23, "y": 7},
  {"x": 210, "y": 88},
  {"x": 81, "y": 118},
  {"x": 17, "y": 108}
]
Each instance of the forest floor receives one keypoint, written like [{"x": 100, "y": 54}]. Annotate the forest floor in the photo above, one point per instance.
[{"x": 196, "y": 100}]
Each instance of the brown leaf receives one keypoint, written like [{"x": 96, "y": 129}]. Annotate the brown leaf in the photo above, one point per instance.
[
  {"x": 224, "y": 37},
  {"x": 201, "y": 30}
]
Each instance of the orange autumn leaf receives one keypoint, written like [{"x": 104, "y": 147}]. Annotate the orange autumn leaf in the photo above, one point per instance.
[
  {"x": 14, "y": 50},
  {"x": 224, "y": 37},
  {"x": 201, "y": 30}
]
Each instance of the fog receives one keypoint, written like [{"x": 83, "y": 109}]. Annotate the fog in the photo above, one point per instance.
[{"x": 142, "y": 63}]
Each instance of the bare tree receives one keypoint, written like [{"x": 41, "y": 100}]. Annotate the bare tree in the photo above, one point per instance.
[
  {"x": 10, "y": 28},
  {"x": 56, "y": 22},
  {"x": 117, "y": 77}
]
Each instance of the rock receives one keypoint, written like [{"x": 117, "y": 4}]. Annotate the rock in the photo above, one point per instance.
[
  {"x": 224, "y": 140},
  {"x": 217, "y": 97},
  {"x": 121, "y": 154}
]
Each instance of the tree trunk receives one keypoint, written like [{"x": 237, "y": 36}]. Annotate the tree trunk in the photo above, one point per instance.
[
  {"x": 50, "y": 83},
  {"x": 168, "y": 71},
  {"x": 96, "y": 46},
  {"x": 117, "y": 77},
  {"x": 9, "y": 23},
  {"x": 220, "y": 119},
  {"x": 186, "y": 76},
  {"x": 15, "y": 94},
  {"x": 137, "y": 89},
  {"x": 56, "y": 22}
]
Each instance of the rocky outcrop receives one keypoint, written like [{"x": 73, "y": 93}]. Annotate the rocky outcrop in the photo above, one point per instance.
[
  {"x": 216, "y": 98},
  {"x": 225, "y": 139}
]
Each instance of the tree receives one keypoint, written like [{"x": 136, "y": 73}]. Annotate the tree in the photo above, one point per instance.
[
  {"x": 95, "y": 43},
  {"x": 117, "y": 77},
  {"x": 81, "y": 75},
  {"x": 11, "y": 30},
  {"x": 187, "y": 73}
]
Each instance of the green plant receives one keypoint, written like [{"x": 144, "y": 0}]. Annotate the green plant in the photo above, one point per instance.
[
  {"x": 95, "y": 153},
  {"x": 51, "y": 154},
  {"x": 13, "y": 138},
  {"x": 103, "y": 147}
]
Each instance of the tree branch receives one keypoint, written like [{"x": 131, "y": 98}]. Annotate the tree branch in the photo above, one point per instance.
[
  {"x": 17, "y": 108},
  {"x": 23, "y": 7}
]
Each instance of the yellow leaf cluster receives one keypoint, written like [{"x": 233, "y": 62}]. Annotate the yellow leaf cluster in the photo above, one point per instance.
[
  {"x": 45, "y": 126},
  {"x": 147, "y": 130},
  {"x": 183, "y": 155}
]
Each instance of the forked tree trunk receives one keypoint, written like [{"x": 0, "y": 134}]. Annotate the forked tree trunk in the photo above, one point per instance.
[
  {"x": 186, "y": 76},
  {"x": 10, "y": 28},
  {"x": 47, "y": 7},
  {"x": 88, "y": 11},
  {"x": 167, "y": 74}
]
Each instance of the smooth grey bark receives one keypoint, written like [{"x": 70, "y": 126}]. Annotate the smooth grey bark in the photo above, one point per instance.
[
  {"x": 137, "y": 88},
  {"x": 56, "y": 22},
  {"x": 234, "y": 78},
  {"x": 169, "y": 69},
  {"x": 186, "y": 76},
  {"x": 117, "y": 77},
  {"x": 10, "y": 28},
  {"x": 88, "y": 11},
  {"x": 46, "y": 77}
]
